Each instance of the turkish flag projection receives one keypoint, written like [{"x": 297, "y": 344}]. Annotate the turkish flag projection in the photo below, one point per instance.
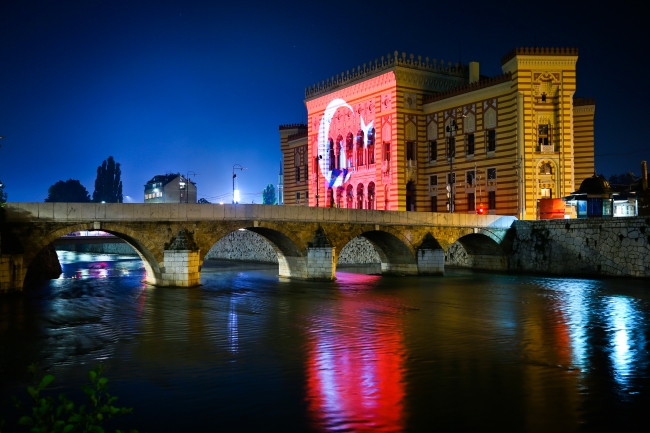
[{"x": 355, "y": 369}]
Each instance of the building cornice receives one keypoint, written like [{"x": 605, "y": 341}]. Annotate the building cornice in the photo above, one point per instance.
[
  {"x": 539, "y": 51},
  {"x": 468, "y": 97},
  {"x": 348, "y": 93},
  {"x": 379, "y": 66}
]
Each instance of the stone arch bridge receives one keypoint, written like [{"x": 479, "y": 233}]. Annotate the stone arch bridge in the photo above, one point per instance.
[{"x": 173, "y": 239}]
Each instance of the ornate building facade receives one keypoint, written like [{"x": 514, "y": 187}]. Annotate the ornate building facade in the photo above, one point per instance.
[{"x": 412, "y": 134}]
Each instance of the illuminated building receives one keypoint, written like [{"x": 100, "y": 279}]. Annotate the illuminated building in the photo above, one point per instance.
[
  {"x": 170, "y": 188},
  {"x": 380, "y": 131}
]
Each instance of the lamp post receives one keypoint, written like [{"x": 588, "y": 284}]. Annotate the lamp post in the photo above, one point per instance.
[
  {"x": 451, "y": 128},
  {"x": 187, "y": 190},
  {"x": 316, "y": 170},
  {"x": 235, "y": 167}
]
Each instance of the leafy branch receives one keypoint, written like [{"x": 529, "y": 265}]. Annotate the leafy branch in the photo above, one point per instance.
[{"x": 60, "y": 415}]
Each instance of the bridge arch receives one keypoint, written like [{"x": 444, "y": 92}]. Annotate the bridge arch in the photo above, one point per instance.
[
  {"x": 291, "y": 249},
  {"x": 480, "y": 250},
  {"x": 142, "y": 246},
  {"x": 397, "y": 255}
]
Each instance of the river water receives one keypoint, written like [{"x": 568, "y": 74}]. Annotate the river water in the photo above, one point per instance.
[{"x": 249, "y": 351}]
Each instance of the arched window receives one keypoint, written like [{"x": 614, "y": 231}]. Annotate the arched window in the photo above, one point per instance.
[
  {"x": 410, "y": 196},
  {"x": 360, "y": 196},
  {"x": 349, "y": 196},
  {"x": 371, "y": 195},
  {"x": 360, "y": 148},
  {"x": 330, "y": 197},
  {"x": 332, "y": 155},
  {"x": 340, "y": 153},
  {"x": 546, "y": 168},
  {"x": 371, "y": 146},
  {"x": 339, "y": 196},
  {"x": 349, "y": 150}
]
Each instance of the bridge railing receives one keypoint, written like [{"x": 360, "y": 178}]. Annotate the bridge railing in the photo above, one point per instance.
[{"x": 89, "y": 212}]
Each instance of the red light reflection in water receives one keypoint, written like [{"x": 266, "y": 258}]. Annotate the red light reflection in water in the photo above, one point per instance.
[{"x": 355, "y": 361}]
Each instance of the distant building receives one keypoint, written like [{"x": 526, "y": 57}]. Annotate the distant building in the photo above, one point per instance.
[
  {"x": 404, "y": 133},
  {"x": 170, "y": 188}
]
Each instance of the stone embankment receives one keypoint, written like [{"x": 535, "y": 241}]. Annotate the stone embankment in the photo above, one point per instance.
[
  {"x": 613, "y": 247},
  {"x": 114, "y": 248}
]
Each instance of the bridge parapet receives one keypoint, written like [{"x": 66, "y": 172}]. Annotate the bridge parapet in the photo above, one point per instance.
[{"x": 154, "y": 212}]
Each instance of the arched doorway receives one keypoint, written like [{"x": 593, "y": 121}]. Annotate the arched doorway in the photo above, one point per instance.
[
  {"x": 371, "y": 195},
  {"x": 349, "y": 196},
  {"x": 360, "y": 196},
  {"x": 410, "y": 196}
]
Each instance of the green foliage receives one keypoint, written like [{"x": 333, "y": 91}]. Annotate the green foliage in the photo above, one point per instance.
[
  {"x": 70, "y": 191},
  {"x": 268, "y": 195},
  {"x": 108, "y": 186},
  {"x": 203, "y": 201},
  {"x": 60, "y": 415}
]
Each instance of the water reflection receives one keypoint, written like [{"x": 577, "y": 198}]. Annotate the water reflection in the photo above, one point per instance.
[
  {"x": 355, "y": 365},
  {"x": 626, "y": 343}
]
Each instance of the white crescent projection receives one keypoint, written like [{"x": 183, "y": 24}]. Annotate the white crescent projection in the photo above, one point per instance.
[{"x": 323, "y": 134}]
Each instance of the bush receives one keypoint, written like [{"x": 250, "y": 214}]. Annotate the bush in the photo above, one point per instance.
[{"x": 60, "y": 415}]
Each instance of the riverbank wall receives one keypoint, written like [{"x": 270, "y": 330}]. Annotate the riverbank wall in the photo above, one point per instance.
[{"x": 608, "y": 247}]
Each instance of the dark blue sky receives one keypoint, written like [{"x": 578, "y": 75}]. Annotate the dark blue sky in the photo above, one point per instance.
[{"x": 174, "y": 86}]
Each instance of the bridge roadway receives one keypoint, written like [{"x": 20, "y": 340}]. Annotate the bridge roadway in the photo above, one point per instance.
[{"x": 173, "y": 239}]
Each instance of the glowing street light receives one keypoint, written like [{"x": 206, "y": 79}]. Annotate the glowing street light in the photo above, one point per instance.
[{"x": 235, "y": 192}]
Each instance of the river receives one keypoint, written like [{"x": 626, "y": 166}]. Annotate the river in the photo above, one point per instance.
[{"x": 250, "y": 351}]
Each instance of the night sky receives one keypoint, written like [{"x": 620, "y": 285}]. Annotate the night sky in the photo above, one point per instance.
[{"x": 179, "y": 86}]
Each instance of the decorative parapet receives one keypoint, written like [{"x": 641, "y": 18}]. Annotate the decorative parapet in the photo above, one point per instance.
[
  {"x": 583, "y": 101},
  {"x": 459, "y": 90},
  {"x": 293, "y": 126},
  {"x": 298, "y": 135},
  {"x": 538, "y": 51},
  {"x": 372, "y": 68}
]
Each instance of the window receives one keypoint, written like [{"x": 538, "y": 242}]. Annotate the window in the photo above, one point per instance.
[
  {"x": 433, "y": 150},
  {"x": 492, "y": 140},
  {"x": 371, "y": 146},
  {"x": 470, "y": 178},
  {"x": 410, "y": 150},
  {"x": 297, "y": 174},
  {"x": 491, "y": 174},
  {"x": 543, "y": 137},
  {"x": 386, "y": 151},
  {"x": 360, "y": 148},
  {"x": 492, "y": 200},
  {"x": 433, "y": 180},
  {"x": 451, "y": 148},
  {"x": 451, "y": 176},
  {"x": 306, "y": 196},
  {"x": 470, "y": 144},
  {"x": 434, "y": 204},
  {"x": 545, "y": 168},
  {"x": 298, "y": 198},
  {"x": 306, "y": 177},
  {"x": 546, "y": 193},
  {"x": 470, "y": 201}
]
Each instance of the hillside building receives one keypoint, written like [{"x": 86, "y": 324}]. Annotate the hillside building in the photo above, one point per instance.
[
  {"x": 170, "y": 188},
  {"x": 406, "y": 133}
]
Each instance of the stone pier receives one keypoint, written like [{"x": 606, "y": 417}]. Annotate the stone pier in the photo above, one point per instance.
[{"x": 181, "y": 263}]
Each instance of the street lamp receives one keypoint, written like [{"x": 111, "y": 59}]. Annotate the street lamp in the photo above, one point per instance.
[
  {"x": 451, "y": 128},
  {"x": 235, "y": 198},
  {"x": 316, "y": 170},
  {"x": 187, "y": 190}
]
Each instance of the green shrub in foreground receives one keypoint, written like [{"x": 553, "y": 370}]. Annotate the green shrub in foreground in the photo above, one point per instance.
[{"x": 60, "y": 415}]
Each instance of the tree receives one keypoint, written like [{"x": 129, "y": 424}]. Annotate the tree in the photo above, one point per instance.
[
  {"x": 268, "y": 194},
  {"x": 203, "y": 201},
  {"x": 108, "y": 186},
  {"x": 71, "y": 191}
]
